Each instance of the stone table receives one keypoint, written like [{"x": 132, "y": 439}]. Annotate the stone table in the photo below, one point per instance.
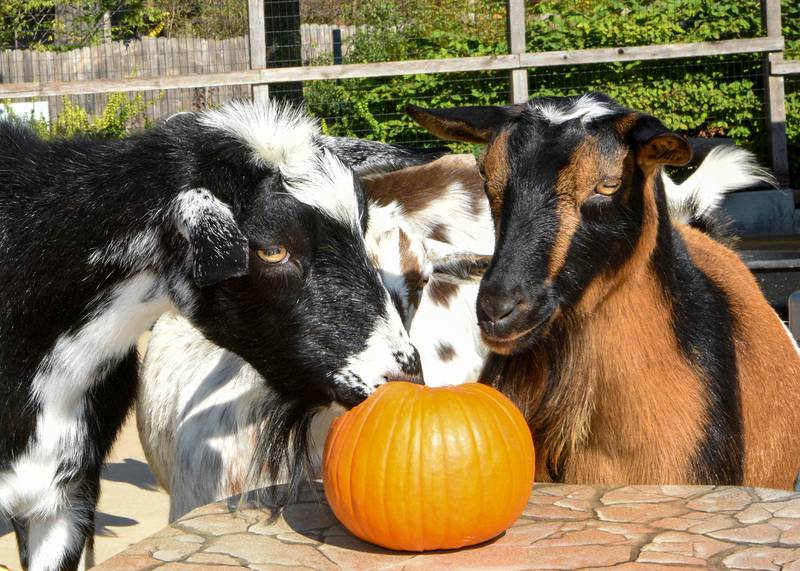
[{"x": 563, "y": 527}]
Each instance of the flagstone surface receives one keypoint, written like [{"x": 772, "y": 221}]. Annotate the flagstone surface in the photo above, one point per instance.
[{"x": 563, "y": 527}]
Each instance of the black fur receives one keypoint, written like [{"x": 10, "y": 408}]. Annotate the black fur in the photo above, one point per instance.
[
  {"x": 705, "y": 330},
  {"x": 69, "y": 209}
]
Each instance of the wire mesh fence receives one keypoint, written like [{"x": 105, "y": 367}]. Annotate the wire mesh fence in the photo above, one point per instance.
[{"x": 73, "y": 40}]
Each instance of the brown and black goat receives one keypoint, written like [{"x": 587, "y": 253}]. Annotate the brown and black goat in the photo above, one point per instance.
[{"x": 640, "y": 349}]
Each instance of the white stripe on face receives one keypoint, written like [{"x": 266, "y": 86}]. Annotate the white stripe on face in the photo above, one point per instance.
[
  {"x": 586, "y": 108},
  {"x": 386, "y": 355}
]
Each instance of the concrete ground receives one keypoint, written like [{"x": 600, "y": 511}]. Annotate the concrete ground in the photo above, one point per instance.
[{"x": 132, "y": 504}]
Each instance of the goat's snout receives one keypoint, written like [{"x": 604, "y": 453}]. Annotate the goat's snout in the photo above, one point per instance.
[
  {"x": 410, "y": 368},
  {"x": 498, "y": 310},
  {"x": 511, "y": 318}
]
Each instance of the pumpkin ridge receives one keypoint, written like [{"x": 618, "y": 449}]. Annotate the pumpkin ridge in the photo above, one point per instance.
[
  {"x": 415, "y": 415},
  {"x": 362, "y": 415},
  {"x": 477, "y": 452},
  {"x": 419, "y": 410},
  {"x": 443, "y": 429},
  {"x": 387, "y": 523},
  {"x": 490, "y": 409},
  {"x": 520, "y": 425}
]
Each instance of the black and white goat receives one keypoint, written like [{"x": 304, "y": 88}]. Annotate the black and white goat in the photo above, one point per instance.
[
  {"x": 239, "y": 219},
  {"x": 202, "y": 409}
]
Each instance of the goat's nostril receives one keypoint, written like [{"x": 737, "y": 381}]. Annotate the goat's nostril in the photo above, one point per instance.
[{"x": 497, "y": 308}]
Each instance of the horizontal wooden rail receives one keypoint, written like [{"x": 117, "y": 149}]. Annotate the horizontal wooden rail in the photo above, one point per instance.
[
  {"x": 385, "y": 69},
  {"x": 785, "y": 67},
  {"x": 655, "y": 52}
]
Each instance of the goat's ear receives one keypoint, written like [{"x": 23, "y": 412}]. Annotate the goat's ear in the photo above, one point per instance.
[
  {"x": 372, "y": 157},
  {"x": 468, "y": 124},
  {"x": 217, "y": 246},
  {"x": 657, "y": 146},
  {"x": 454, "y": 266}
]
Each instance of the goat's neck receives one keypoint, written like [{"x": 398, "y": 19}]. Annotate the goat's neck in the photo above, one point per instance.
[{"x": 592, "y": 376}]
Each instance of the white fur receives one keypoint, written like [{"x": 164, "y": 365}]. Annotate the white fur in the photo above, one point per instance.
[
  {"x": 725, "y": 169},
  {"x": 327, "y": 185},
  {"x": 586, "y": 108},
  {"x": 48, "y": 541},
  {"x": 279, "y": 136},
  {"x": 135, "y": 252},
  {"x": 373, "y": 365},
  {"x": 31, "y": 488},
  {"x": 194, "y": 206},
  {"x": 283, "y": 138},
  {"x": 199, "y": 431},
  {"x": 385, "y": 247}
]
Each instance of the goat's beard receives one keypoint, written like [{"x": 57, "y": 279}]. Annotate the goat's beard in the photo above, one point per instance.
[{"x": 284, "y": 457}]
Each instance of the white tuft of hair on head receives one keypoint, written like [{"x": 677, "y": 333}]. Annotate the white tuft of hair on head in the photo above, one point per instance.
[
  {"x": 327, "y": 185},
  {"x": 279, "y": 135},
  {"x": 586, "y": 108},
  {"x": 284, "y": 138}
]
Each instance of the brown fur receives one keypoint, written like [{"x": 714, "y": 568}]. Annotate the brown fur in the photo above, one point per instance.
[
  {"x": 442, "y": 292},
  {"x": 769, "y": 368},
  {"x": 445, "y": 351},
  {"x": 497, "y": 172},
  {"x": 409, "y": 264},
  {"x": 418, "y": 192}
]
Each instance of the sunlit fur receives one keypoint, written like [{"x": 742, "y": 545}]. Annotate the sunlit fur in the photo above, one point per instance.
[
  {"x": 640, "y": 349},
  {"x": 101, "y": 237}
]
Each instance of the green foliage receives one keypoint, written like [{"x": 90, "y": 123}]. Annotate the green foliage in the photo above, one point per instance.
[
  {"x": 719, "y": 96},
  {"x": 121, "y": 116},
  {"x": 59, "y": 25},
  {"x": 373, "y": 108}
]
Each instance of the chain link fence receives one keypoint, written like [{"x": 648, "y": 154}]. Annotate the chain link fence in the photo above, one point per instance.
[{"x": 78, "y": 40}]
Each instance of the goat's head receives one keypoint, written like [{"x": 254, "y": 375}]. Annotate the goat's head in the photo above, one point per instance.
[
  {"x": 273, "y": 225},
  {"x": 575, "y": 192}
]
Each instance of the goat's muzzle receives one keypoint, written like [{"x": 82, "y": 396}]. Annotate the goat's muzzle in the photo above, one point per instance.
[{"x": 410, "y": 369}]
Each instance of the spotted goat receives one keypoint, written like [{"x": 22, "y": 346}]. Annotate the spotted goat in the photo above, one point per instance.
[
  {"x": 202, "y": 409},
  {"x": 640, "y": 349},
  {"x": 239, "y": 219}
]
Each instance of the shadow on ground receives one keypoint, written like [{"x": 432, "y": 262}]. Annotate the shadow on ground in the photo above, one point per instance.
[
  {"x": 131, "y": 471},
  {"x": 311, "y": 516},
  {"x": 104, "y": 520}
]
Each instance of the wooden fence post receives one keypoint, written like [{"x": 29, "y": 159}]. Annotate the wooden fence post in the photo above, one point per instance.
[
  {"x": 774, "y": 95},
  {"x": 258, "y": 46},
  {"x": 515, "y": 10}
]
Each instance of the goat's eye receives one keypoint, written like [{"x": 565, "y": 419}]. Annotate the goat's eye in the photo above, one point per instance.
[
  {"x": 422, "y": 283},
  {"x": 273, "y": 254},
  {"x": 608, "y": 186}
]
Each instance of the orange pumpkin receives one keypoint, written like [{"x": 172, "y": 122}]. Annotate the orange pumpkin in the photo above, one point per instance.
[{"x": 417, "y": 468}]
